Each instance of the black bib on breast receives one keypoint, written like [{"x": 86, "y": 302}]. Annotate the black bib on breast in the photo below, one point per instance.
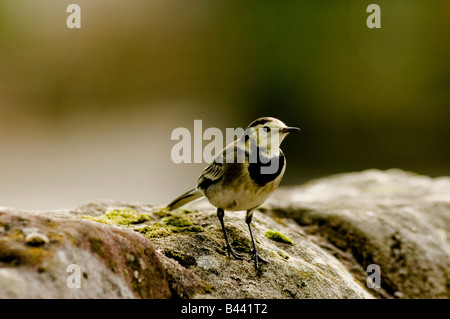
[{"x": 263, "y": 170}]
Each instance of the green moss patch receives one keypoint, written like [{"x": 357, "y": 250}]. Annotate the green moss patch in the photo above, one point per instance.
[
  {"x": 164, "y": 212},
  {"x": 168, "y": 222},
  {"x": 14, "y": 253},
  {"x": 172, "y": 224},
  {"x": 155, "y": 230},
  {"x": 279, "y": 237},
  {"x": 120, "y": 216},
  {"x": 283, "y": 255},
  {"x": 178, "y": 221},
  {"x": 183, "y": 259}
]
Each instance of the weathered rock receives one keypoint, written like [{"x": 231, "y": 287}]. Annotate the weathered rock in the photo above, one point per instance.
[
  {"x": 299, "y": 270},
  {"x": 397, "y": 220},
  {"x": 190, "y": 243},
  {"x": 37, "y": 250},
  {"x": 319, "y": 239}
]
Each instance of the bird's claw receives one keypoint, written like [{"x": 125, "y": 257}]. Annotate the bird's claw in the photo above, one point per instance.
[
  {"x": 257, "y": 259},
  {"x": 234, "y": 254}
]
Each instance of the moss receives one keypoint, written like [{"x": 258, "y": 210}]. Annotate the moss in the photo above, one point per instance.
[
  {"x": 190, "y": 229},
  {"x": 162, "y": 212},
  {"x": 17, "y": 256},
  {"x": 185, "y": 211},
  {"x": 173, "y": 224},
  {"x": 279, "y": 237},
  {"x": 157, "y": 230},
  {"x": 178, "y": 221},
  {"x": 120, "y": 216},
  {"x": 283, "y": 255},
  {"x": 14, "y": 253},
  {"x": 112, "y": 264},
  {"x": 240, "y": 244},
  {"x": 183, "y": 259},
  {"x": 96, "y": 245}
]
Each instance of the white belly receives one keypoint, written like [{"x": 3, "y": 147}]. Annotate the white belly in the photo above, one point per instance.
[{"x": 243, "y": 197}]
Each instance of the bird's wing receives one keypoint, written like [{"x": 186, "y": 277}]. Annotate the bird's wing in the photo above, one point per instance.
[
  {"x": 211, "y": 174},
  {"x": 214, "y": 171}
]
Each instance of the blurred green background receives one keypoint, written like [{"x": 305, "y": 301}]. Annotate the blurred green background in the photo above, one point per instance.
[{"x": 88, "y": 113}]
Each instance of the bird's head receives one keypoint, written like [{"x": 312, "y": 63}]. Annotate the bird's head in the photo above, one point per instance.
[{"x": 267, "y": 132}]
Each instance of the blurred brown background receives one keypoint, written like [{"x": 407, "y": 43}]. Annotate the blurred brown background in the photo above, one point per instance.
[{"x": 87, "y": 113}]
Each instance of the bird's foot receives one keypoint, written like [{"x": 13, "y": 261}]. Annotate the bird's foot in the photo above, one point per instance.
[
  {"x": 257, "y": 259},
  {"x": 234, "y": 254}
]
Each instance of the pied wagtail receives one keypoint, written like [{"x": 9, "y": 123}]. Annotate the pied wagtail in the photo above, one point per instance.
[{"x": 243, "y": 175}]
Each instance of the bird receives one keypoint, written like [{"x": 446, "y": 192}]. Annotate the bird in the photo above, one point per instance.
[{"x": 243, "y": 175}]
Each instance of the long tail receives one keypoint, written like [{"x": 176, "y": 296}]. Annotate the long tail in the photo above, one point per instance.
[{"x": 185, "y": 198}]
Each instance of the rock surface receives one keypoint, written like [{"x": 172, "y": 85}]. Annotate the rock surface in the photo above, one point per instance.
[
  {"x": 319, "y": 239},
  {"x": 109, "y": 262},
  {"x": 397, "y": 220}
]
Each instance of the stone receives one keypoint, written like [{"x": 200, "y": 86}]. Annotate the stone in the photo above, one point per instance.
[
  {"x": 395, "y": 219},
  {"x": 61, "y": 239},
  {"x": 36, "y": 239},
  {"x": 319, "y": 240}
]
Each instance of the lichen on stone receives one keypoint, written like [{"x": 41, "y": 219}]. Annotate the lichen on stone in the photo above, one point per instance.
[
  {"x": 283, "y": 255},
  {"x": 13, "y": 253},
  {"x": 182, "y": 258},
  {"x": 178, "y": 221},
  {"x": 164, "y": 212},
  {"x": 172, "y": 224},
  {"x": 279, "y": 237},
  {"x": 120, "y": 216}
]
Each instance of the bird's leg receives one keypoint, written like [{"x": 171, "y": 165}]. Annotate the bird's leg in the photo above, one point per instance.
[
  {"x": 256, "y": 257},
  {"x": 220, "y": 214}
]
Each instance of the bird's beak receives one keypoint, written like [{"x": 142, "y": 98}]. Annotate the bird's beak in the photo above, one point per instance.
[{"x": 290, "y": 129}]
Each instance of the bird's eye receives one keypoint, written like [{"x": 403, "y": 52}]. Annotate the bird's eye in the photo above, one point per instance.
[{"x": 266, "y": 129}]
